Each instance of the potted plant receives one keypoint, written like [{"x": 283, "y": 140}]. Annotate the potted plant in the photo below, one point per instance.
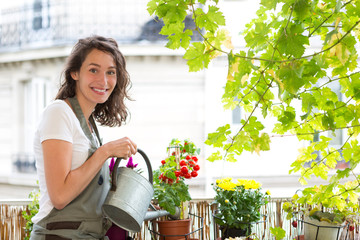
[
  {"x": 171, "y": 192},
  {"x": 239, "y": 205},
  {"x": 324, "y": 216}
]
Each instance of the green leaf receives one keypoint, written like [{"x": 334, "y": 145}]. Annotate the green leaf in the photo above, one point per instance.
[
  {"x": 270, "y": 4},
  {"x": 151, "y": 6},
  {"x": 179, "y": 40},
  {"x": 173, "y": 12},
  {"x": 215, "y": 156},
  {"x": 211, "y": 20},
  {"x": 291, "y": 76},
  {"x": 257, "y": 37},
  {"x": 301, "y": 9},
  {"x": 197, "y": 57},
  {"x": 291, "y": 41},
  {"x": 287, "y": 117},
  {"x": 218, "y": 138},
  {"x": 278, "y": 232},
  {"x": 231, "y": 158}
]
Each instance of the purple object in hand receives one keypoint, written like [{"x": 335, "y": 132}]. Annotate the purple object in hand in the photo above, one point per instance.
[{"x": 116, "y": 233}]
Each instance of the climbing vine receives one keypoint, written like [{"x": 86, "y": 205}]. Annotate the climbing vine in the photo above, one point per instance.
[{"x": 299, "y": 67}]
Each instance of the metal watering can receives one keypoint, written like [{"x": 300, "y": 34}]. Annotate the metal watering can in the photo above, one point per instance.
[{"x": 130, "y": 196}]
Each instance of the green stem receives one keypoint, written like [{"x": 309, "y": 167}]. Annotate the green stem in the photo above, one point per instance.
[
  {"x": 328, "y": 82},
  {"x": 312, "y": 133},
  {"x": 325, "y": 157}
]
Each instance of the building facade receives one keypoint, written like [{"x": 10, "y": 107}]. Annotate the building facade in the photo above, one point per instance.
[{"x": 168, "y": 101}]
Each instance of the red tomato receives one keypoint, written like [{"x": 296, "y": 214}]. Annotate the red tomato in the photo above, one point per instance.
[
  {"x": 194, "y": 173},
  {"x": 196, "y": 167},
  {"x": 177, "y": 173},
  {"x": 163, "y": 162},
  {"x": 187, "y": 175},
  {"x": 195, "y": 158},
  {"x": 184, "y": 169},
  {"x": 183, "y": 163},
  {"x": 184, "y": 151},
  {"x": 188, "y": 157},
  {"x": 191, "y": 163}
]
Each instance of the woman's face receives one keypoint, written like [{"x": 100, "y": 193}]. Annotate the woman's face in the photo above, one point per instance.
[{"x": 96, "y": 78}]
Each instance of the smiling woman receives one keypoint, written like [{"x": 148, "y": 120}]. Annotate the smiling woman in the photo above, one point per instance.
[{"x": 70, "y": 158}]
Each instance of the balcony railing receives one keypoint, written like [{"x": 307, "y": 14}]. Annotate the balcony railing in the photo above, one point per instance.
[
  {"x": 60, "y": 22},
  {"x": 12, "y": 224}
]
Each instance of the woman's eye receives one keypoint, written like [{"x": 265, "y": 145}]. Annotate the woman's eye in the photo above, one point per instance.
[
  {"x": 93, "y": 70},
  {"x": 111, "y": 72}
]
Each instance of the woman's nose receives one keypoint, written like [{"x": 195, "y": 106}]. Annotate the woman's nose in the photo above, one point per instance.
[{"x": 103, "y": 79}]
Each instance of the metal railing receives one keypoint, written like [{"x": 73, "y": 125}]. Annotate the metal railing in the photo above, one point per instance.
[{"x": 59, "y": 22}]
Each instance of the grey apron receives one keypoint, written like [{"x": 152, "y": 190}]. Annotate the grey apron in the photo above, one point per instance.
[{"x": 82, "y": 218}]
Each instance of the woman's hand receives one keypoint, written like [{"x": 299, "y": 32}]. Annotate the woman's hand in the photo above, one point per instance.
[{"x": 123, "y": 148}]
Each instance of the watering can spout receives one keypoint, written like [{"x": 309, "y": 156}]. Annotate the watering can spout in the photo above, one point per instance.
[
  {"x": 155, "y": 214},
  {"x": 161, "y": 213}
]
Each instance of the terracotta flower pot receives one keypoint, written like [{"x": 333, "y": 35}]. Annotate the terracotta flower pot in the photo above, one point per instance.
[{"x": 174, "y": 229}]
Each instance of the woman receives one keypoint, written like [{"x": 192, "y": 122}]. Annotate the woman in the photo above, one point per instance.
[{"x": 70, "y": 158}]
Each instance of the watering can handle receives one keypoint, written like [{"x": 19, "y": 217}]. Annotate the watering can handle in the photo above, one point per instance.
[{"x": 116, "y": 165}]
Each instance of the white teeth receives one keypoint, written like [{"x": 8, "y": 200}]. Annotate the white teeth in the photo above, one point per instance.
[{"x": 99, "y": 90}]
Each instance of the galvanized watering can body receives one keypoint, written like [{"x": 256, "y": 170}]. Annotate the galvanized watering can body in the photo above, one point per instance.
[{"x": 129, "y": 197}]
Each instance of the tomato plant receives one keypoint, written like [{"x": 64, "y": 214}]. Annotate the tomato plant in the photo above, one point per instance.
[{"x": 170, "y": 188}]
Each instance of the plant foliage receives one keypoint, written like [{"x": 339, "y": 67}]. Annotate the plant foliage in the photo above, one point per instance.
[
  {"x": 238, "y": 203},
  {"x": 32, "y": 210},
  {"x": 297, "y": 53}
]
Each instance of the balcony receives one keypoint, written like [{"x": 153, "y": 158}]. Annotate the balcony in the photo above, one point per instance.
[
  {"x": 12, "y": 222},
  {"x": 62, "y": 22}
]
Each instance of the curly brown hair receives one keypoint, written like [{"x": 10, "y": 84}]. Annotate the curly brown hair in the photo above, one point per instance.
[{"x": 113, "y": 112}]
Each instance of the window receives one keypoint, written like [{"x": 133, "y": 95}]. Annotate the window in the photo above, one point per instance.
[
  {"x": 36, "y": 94},
  {"x": 41, "y": 16},
  {"x": 236, "y": 113}
]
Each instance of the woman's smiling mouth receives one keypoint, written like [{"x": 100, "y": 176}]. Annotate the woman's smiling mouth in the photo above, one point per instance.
[{"x": 99, "y": 90}]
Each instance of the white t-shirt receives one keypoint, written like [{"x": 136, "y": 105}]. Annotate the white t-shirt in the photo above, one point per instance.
[{"x": 57, "y": 121}]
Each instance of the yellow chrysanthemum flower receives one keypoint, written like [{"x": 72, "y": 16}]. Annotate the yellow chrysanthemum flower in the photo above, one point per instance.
[
  {"x": 227, "y": 186},
  {"x": 268, "y": 192},
  {"x": 226, "y": 200},
  {"x": 222, "y": 180},
  {"x": 249, "y": 184}
]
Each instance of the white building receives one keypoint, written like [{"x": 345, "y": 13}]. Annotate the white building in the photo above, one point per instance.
[{"x": 170, "y": 102}]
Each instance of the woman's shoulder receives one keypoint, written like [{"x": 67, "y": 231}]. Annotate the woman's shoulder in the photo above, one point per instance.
[
  {"x": 58, "y": 105},
  {"x": 57, "y": 122},
  {"x": 58, "y": 109}
]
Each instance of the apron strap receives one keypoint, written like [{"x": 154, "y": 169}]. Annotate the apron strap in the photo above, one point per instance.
[
  {"x": 84, "y": 125},
  {"x": 93, "y": 124}
]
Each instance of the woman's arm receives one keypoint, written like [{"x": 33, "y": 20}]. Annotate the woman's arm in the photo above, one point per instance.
[{"x": 64, "y": 184}]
